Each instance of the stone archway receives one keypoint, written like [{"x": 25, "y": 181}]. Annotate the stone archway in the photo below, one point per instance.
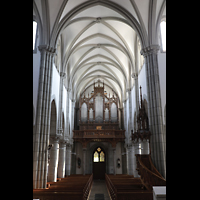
[
  {"x": 91, "y": 153},
  {"x": 99, "y": 163}
]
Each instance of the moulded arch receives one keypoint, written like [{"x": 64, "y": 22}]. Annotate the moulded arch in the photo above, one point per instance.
[
  {"x": 91, "y": 151},
  {"x": 113, "y": 74},
  {"x": 118, "y": 45},
  {"x": 39, "y": 21},
  {"x": 160, "y": 17},
  {"x": 111, "y": 5}
]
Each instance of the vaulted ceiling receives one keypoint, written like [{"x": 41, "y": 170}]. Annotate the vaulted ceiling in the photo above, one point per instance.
[{"x": 97, "y": 39}]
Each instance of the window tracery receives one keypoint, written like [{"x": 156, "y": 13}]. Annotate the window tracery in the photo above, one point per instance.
[{"x": 99, "y": 155}]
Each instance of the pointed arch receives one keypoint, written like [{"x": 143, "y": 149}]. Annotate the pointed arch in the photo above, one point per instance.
[{"x": 111, "y": 5}]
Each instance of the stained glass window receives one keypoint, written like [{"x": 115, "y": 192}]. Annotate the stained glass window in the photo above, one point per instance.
[
  {"x": 99, "y": 155},
  {"x": 99, "y": 149},
  {"x": 96, "y": 157},
  {"x": 102, "y": 156}
]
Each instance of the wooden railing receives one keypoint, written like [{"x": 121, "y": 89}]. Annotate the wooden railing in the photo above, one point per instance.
[
  {"x": 149, "y": 174},
  {"x": 99, "y": 134}
]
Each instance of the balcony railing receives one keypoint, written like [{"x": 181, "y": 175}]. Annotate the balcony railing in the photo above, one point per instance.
[{"x": 99, "y": 134}]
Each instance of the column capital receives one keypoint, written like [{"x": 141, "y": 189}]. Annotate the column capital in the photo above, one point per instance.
[
  {"x": 68, "y": 145},
  {"x": 128, "y": 90},
  {"x": 47, "y": 48},
  {"x": 55, "y": 138},
  {"x": 153, "y": 49},
  {"x": 134, "y": 75},
  {"x": 73, "y": 100},
  {"x": 62, "y": 74},
  {"x": 125, "y": 100},
  {"x": 68, "y": 89},
  {"x": 62, "y": 142}
]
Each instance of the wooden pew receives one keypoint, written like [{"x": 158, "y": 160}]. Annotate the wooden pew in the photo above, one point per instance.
[
  {"x": 69, "y": 188},
  {"x": 126, "y": 187}
]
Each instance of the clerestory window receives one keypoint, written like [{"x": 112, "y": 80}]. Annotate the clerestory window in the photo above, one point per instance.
[
  {"x": 34, "y": 35},
  {"x": 163, "y": 35}
]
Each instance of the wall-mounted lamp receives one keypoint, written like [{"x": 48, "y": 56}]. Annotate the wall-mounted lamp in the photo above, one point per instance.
[
  {"x": 79, "y": 162},
  {"x": 118, "y": 163}
]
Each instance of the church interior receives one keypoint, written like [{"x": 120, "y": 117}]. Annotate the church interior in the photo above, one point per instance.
[{"x": 99, "y": 99}]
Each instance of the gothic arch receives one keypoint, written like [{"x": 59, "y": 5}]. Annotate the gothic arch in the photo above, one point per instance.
[
  {"x": 91, "y": 151},
  {"x": 111, "y": 5}
]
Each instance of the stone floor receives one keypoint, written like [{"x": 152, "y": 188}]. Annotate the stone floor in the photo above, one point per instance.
[{"x": 99, "y": 187}]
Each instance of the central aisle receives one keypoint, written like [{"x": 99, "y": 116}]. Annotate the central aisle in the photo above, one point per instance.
[{"x": 99, "y": 187}]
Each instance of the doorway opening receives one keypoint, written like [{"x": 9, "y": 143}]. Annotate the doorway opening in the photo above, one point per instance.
[{"x": 99, "y": 163}]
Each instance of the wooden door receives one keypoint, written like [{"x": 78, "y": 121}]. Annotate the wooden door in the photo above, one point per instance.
[
  {"x": 99, "y": 163},
  {"x": 99, "y": 170}
]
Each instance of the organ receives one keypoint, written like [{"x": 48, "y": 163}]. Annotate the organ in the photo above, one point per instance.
[{"x": 98, "y": 111}]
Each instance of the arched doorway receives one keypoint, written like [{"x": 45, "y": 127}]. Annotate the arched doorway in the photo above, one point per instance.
[{"x": 99, "y": 163}]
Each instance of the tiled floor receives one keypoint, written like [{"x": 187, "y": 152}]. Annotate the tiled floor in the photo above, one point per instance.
[{"x": 99, "y": 187}]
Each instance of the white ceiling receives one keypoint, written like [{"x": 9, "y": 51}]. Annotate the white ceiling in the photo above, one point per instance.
[{"x": 96, "y": 42}]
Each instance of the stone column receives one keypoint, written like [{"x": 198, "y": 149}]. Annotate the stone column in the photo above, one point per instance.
[
  {"x": 84, "y": 160},
  {"x": 130, "y": 154},
  {"x": 130, "y": 127},
  {"x": 68, "y": 159},
  {"x": 125, "y": 122},
  {"x": 122, "y": 118},
  {"x": 52, "y": 172},
  {"x": 132, "y": 164},
  {"x": 154, "y": 107},
  {"x": 42, "y": 125},
  {"x": 135, "y": 151},
  {"x": 114, "y": 161},
  {"x": 72, "y": 117},
  {"x": 62, "y": 159},
  {"x": 135, "y": 76},
  {"x": 66, "y": 135},
  {"x": 62, "y": 77}
]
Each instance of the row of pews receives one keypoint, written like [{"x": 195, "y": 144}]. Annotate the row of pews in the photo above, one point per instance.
[
  {"x": 73, "y": 187},
  {"x": 126, "y": 187}
]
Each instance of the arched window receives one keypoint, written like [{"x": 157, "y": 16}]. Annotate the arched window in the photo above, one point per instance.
[
  {"x": 34, "y": 35},
  {"x": 163, "y": 34},
  {"x": 98, "y": 155}
]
